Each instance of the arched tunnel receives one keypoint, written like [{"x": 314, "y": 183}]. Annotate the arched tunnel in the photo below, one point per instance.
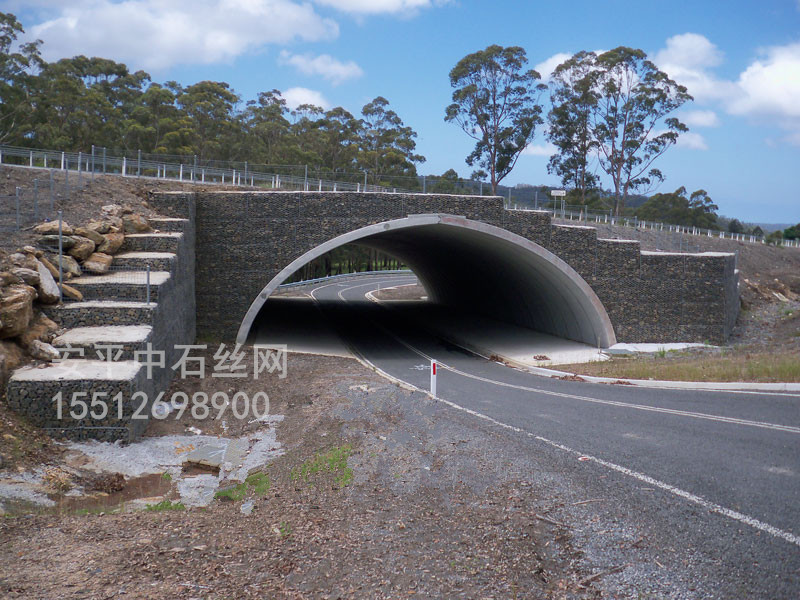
[{"x": 476, "y": 268}]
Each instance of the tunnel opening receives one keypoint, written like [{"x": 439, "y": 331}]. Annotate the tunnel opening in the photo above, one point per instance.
[{"x": 466, "y": 268}]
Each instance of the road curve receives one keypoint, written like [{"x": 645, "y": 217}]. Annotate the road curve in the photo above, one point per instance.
[{"x": 716, "y": 474}]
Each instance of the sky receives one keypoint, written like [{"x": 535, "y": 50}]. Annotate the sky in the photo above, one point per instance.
[{"x": 740, "y": 60}]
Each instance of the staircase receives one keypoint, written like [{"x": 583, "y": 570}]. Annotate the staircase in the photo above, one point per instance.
[{"x": 118, "y": 318}]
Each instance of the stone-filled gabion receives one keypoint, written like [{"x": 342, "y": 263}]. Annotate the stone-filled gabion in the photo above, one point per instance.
[{"x": 245, "y": 238}]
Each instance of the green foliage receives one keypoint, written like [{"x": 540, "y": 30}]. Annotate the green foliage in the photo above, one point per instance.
[
  {"x": 259, "y": 482},
  {"x": 233, "y": 494},
  {"x": 334, "y": 461},
  {"x": 165, "y": 505},
  {"x": 496, "y": 103},
  {"x": 574, "y": 95},
  {"x": 792, "y": 233},
  {"x": 78, "y": 102},
  {"x": 166, "y": 476},
  {"x": 698, "y": 210},
  {"x": 735, "y": 226},
  {"x": 775, "y": 238}
]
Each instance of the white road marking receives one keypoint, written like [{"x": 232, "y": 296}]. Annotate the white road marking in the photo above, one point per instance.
[
  {"x": 688, "y": 496},
  {"x": 693, "y": 498},
  {"x": 644, "y": 407}
]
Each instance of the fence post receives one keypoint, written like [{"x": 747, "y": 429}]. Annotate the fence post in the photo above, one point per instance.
[
  {"x": 424, "y": 185},
  {"x": 365, "y": 181},
  {"x": 305, "y": 179},
  {"x": 180, "y": 173},
  {"x": 203, "y": 175},
  {"x": 245, "y": 172},
  {"x": 60, "y": 259},
  {"x": 433, "y": 377},
  {"x": 124, "y": 165},
  {"x": 30, "y": 162},
  {"x": 52, "y": 185},
  {"x": 148, "y": 284},
  {"x": 139, "y": 164},
  {"x": 62, "y": 161},
  {"x": 194, "y": 167},
  {"x": 80, "y": 161},
  {"x": 104, "y": 160},
  {"x": 16, "y": 195},
  {"x": 36, "y": 200}
]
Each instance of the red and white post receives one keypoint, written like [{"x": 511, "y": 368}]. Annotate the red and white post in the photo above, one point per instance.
[{"x": 433, "y": 377}]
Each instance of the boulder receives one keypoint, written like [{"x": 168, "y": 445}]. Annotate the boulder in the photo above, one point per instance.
[
  {"x": 70, "y": 266},
  {"x": 48, "y": 290},
  {"x": 31, "y": 250},
  {"x": 51, "y": 242},
  {"x": 71, "y": 293},
  {"x": 96, "y": 237},
  {"x": 26, "y": 261},
  {"x": 112, "y": 242},
  {"x": 7, "y": 278},
  {"x": 16, "y": 310},
  {"x": 43, "y": 351},
  {"x": 100, "y": 227},
  {"x": 40, "y": 328},
  {"x": 83, "y": 248},
  {"x": 98, "y": 263},
  {"x": 28, "y": 276},
  {"x": 11, "y": 357},
  {"x": 50, "y": 266},
  {"x": 135, "y": 224},
  {"x": 51, "y": 228},
  {"x": 112, "y": 210}
]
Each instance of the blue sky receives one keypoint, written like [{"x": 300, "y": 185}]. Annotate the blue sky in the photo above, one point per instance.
[{"x": 740, "y": 59}]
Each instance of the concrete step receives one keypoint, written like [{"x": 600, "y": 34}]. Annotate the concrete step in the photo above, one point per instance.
[
  {"x": 168, "y": 223},
  {"x": 35, "y": 391},
  {"x": 101, "y": 312},
  {"x": 138, "y": 261},
  {"x": 110, "y": 342},
  {"x": 121, "y": 285},
  {"x": 152, "y": 242}
]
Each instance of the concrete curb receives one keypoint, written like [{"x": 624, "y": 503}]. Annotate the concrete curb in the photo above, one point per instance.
[{"x": 714, "y": 386}]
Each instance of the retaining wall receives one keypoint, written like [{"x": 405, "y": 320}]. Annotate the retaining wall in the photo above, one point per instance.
[{"x": 243, "y": 239}]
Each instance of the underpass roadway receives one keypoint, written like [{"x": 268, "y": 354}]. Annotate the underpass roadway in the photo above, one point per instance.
[{"x": 709, "y": 480}]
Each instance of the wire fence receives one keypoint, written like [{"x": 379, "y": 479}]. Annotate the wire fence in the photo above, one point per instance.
[
  {"x": 30, "y": 205},
  {"x": 68, "y": 170},
  {"x": 581, "y": 215}
]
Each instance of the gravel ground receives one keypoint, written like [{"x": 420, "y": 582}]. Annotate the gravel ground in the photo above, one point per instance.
[{"x": 439, "y": 504}]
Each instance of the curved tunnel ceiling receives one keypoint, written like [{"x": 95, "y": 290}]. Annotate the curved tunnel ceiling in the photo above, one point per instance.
[{"x": 481, "y": 268}]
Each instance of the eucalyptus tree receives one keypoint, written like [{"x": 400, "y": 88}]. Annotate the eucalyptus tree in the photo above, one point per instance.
[
  {"x": 631, "y": 124},
  {"x": 496, "y": 103},
  {"x": 574, "y": 97},
  {"x": 17, "y": 71},
  {"x": 387, "y": 145}
]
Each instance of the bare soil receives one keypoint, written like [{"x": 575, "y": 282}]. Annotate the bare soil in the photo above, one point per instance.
[{"x": 416, "y": 520}]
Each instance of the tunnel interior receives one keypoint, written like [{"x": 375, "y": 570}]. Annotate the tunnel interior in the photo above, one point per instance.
[{"x": 475, "y": 268}]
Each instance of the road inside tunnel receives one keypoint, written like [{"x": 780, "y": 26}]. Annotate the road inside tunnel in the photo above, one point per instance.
[{"x": 474, "y": 273}]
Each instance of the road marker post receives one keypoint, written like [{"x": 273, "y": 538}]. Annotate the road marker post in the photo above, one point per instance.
[{"x": 433, "y": 377}]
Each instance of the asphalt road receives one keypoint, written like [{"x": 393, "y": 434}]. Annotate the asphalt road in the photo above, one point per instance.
[{"x": 709, "y": 482}]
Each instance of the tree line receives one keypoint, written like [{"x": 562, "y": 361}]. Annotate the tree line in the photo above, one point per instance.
[
  {"x": 610, "y": 119},
  {"x": 74, "y": 103}
]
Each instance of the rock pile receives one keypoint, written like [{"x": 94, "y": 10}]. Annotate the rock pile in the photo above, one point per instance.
[{"x": 31, "y": 276}]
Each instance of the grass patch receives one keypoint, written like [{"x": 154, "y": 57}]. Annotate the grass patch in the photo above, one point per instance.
[
  {"x": 333, "y": 461},
  {"x": 166, "y": 476},
  {"x": 259, "y": 482},
  {"x": 233, "y": 494},
  {"x": 165, "y": 505},
  {"x": 730, "y": 366}
]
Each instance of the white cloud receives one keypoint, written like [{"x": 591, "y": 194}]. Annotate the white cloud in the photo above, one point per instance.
[
  {"x": 325, "y": 65},
  {"x": 546, "y": 67},
  {"x": 153, "y": 34},
  {"x": 771, "y": 86},
  {"x": 547, "y": 149},
  {"x": 700, "y": 118},
  {"x": 374, "y": 7},
  {"x": 687, "y": 59},
  {"x": 692, "y": 141},
  {"x": 299, "y": 95}
]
